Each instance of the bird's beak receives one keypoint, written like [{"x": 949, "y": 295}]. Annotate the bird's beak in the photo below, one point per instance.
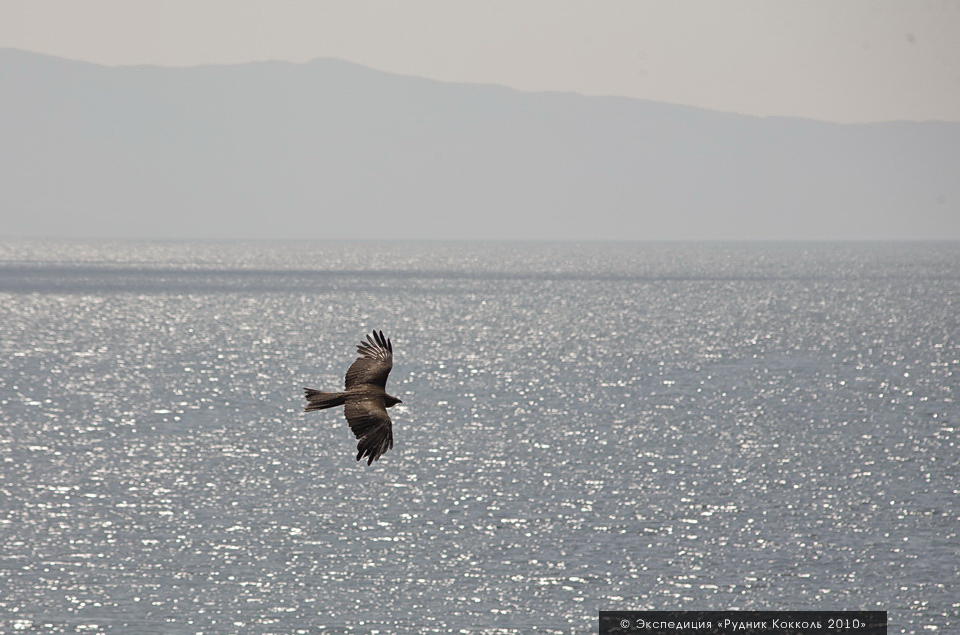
[{"x": 399, "y": 401}]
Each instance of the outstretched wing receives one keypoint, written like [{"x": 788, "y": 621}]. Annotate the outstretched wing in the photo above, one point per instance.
[
  {"x": 371, "y": 425},
  {"x": 374, "y": 363}
]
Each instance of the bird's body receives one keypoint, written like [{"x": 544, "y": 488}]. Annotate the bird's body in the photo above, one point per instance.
[{"x": 365, "y": 398}]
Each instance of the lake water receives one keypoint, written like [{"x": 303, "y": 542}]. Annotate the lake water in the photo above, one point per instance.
[{"x": 584, "y": 427}]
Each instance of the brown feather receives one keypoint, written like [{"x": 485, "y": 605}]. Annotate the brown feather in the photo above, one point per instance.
[{"x": 365, "y": 399}]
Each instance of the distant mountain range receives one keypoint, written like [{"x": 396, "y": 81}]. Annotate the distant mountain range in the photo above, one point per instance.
[{"x": 332, "y": 150}]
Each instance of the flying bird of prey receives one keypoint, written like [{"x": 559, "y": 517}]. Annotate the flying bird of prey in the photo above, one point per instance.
[{"x": 365, "y": 399}]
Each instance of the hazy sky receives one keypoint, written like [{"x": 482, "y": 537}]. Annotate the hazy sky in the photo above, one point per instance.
[{"x": 845, "y": 61}]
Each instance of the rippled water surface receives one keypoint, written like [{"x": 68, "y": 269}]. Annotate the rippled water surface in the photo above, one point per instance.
[{"x": 587, "y": 427}]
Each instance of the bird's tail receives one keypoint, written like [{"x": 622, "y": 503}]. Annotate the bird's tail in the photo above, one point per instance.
[{"x": 318, "y": 400}]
